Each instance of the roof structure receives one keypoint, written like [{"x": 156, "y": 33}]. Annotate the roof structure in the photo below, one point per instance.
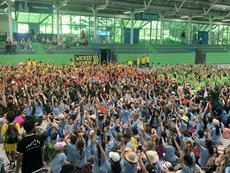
[{"x": 200, "y": 10}]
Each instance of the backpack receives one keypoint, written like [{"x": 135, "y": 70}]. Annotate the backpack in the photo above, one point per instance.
[
  {"x": 211, "y": 161},
  {"x": 50, "y": 148},
  {"x": 87, "y": 168},
  {"x": 11, "y": 136},
  {"x": 196, "y": 152},
  {"x": 160, "y": 150}
]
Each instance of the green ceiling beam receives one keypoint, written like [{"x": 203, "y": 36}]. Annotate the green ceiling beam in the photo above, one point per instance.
[
  {"x": 45, "y": 18},
  {"x": 146, "y": 23}
]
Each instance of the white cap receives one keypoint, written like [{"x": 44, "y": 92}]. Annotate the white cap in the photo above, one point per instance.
[
  {"x": 173, "y": 93},
  {"x": 91, "y": 132},
  {"x": 93, "y": 116},
  {"x": 114, "y": 156}
]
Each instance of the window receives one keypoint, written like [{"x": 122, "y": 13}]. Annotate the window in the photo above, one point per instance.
[
  {"x": 66, "y": 29},
  {"x": 42, "y": 29},
  {"x": 34, "y": 17},
  {"x": 65, "y": 19},
  {"x": 23, "y": 28},
  {"x": 23, "y": 17}
]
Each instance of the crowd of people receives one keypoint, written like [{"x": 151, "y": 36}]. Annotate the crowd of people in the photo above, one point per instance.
[
  {"x": 116, "y": 118},
  {"x": 12, "y": 45},
  {"x": 65, "y": 41}
]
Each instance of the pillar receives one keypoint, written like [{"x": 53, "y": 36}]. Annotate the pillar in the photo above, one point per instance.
[
  {"x": 189, "y": 29},
  {"x": 131, "y": 29},
  {"x": 210, "y": 30},
  {"x": 162, "y": 29},
  {"x": 58, "y": 22},
  {"x": 10, "y": 33},
  {"x": 95, "y": 25}
]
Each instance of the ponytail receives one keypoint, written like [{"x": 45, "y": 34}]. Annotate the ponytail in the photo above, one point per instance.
[
  {"x": 217, "y": 130},
  {"x": 116, "y": 167}
]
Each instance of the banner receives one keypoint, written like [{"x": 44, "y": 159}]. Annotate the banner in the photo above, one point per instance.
[
  {"x": 33, "y": 7},
  {"x": 147, "y": 16},
  {"x": 86, "y": 59}
]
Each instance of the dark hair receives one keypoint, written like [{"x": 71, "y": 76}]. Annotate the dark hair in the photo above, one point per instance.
[
  {"x": 10, "y": 116},
  {"x": 188, "y": 160},
  {"x": 173, "y": 129},
  {"x": 107, "y": 122},
  {"x": 201, "y": 133},
  {"x": 80, "y": 145},
  {"x": 115, "y": 166},
  {"x": 73, "y": 139},
  {"x": 209, "y": 146},
  {"x": 29, "y": 125},
  {"x": 217, "y": 130},
  {"x": 210, "y": 119},
  {"x": 99, "y": 153},
  {"x": 150, "y": 168}
]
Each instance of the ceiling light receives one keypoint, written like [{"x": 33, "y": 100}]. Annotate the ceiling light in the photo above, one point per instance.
[
  {"x": 127, "y": 12},
  {"x": 226, "y": 20},
  {"x": 184, "y": 17}
]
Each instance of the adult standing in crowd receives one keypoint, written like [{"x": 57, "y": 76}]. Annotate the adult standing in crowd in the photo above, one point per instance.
[
  {"x": 10, "y": 131},
  {"x": 150, "y": 117},
  {"x": 30, "y": 150}
]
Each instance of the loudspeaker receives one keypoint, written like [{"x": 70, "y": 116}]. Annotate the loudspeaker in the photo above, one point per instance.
[
  {"x": 105, "y": 56},
  {"x": 200, "y": 57}
]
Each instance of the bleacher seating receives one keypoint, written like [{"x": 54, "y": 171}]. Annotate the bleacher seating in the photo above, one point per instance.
[
  {"x": 92, "y": 49},
  {"x": 132, "y": 49},
  {"x": 212, "y": 48},
  {"x": 82, "y": 50},
  {"x": 188, "y": 48},
  {"x": 173, "y": 48}
]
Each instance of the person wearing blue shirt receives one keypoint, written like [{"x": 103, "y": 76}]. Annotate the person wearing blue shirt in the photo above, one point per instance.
[
  {"x": 57, "y": 110},
  {"x": 59, "y": 163},
  {"x": 135, "y": 122},
  {"x": 188, "y": 165},
  {"x": 216, "y": 135},
  {"x": 129, "y": 163},
  {"x": 206, "y": 151},
  {"x": 170, "y": 155},
  {"x": 216, "y": 132},
  {"x": 71, "y": 149},
  {"x": 125, "y": 116},
  {"x": 199, "y": 125},
  {"x": 69, "y": 125},
  {"x": 81, "y": 153},
  {"x": 28, "y": 108},
  {"x": 38, "y": 110},
  {"x": 153, "y": 158},
  {"x": 101, "y": 163}
]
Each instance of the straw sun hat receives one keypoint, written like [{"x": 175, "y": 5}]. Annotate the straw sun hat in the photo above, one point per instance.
[
  {"x": 152, "y": 156},
  {"x": 130, "y": 155}
]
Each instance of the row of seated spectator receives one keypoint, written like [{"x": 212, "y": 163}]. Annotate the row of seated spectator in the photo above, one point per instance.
[
  {"x": 11, "y": 46},
  {"x": 26, "y": 45},
  {"x": 64, "y": 41}
]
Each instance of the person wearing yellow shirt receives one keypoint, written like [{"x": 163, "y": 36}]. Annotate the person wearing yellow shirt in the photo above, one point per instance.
[
  {"x": 147, "y": 60},
  {"x": 10, "y": 146},
  {"x": 143, "y": 61},
  {"x": 138, "y": 61},
  {"x": 130, "y": 63}
]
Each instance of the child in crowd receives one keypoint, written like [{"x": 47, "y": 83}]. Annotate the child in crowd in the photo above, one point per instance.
[{"x": 118, "y": 118}]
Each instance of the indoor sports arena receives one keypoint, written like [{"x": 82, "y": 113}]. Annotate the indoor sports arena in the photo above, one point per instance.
[{"x": 115, "y": 86}]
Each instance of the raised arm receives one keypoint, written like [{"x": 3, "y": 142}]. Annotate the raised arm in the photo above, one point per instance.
[
  {"x": 178, "y": 130},
  {"x": 102, "y": 150},
  {"x": 177, "y": 146}
]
